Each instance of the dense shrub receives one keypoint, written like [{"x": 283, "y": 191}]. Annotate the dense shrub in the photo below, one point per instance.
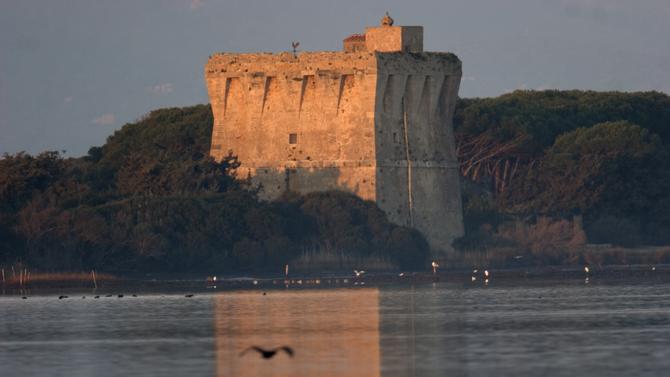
[
  {"x": 151, "y": 199},
  {"x": 602, "y": 155}
]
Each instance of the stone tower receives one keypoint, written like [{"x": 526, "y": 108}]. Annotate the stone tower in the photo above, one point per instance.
[{"x": 374, "y": 120}]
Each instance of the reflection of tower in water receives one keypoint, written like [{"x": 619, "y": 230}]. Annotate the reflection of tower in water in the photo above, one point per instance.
[{"x": 333, "y": 332}]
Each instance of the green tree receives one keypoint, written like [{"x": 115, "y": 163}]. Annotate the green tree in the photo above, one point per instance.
[{"x": 598, "y": 167}]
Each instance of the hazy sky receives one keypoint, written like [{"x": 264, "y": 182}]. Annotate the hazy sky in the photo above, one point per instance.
[{"x": 72, "y": 72}]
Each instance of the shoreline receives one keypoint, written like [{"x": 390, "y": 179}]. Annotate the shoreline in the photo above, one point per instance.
[{"x": 342, "y": 279}]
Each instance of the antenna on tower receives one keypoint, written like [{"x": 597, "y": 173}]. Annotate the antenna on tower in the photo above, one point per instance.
[{"x": 295, "y": 45}]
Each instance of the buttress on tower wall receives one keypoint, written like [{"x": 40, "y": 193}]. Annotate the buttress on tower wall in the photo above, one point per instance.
[{"x": 374, "y": 121}]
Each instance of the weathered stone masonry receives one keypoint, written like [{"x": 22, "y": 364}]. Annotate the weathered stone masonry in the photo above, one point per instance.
[{"x": 375, "y": 120}]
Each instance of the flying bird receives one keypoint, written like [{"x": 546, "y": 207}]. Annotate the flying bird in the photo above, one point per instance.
[
  {"x": 359, "y": 273},
  {"x": 268, "y": 354}
]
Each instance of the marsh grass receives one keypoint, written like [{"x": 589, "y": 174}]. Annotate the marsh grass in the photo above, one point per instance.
[
  {"x": 589, "y": 254},
  {"x": 329, "y": 259},
  {"x": 22, "y": 276}
]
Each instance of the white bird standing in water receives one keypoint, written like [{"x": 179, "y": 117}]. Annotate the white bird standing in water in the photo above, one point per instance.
[
  {"x": 486, "y": 274},
  {"x": 435, "y": 266},
  {"x": 586, "y": 271}
]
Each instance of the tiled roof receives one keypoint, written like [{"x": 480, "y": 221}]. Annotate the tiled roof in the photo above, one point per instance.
[{"x": 355, "y": 38}]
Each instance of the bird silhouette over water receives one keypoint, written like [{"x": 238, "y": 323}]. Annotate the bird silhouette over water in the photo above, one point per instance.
[{"x": 268, "y": 354}]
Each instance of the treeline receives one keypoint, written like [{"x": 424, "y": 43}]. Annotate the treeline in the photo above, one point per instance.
[
  {"x": 151, "y": 199},
  {"x": 603, "y": 156}
]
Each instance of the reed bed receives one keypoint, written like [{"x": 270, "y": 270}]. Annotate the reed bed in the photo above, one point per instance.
[
  {"x": 326, "y": 259},
  {"x": 589, "y": 254},
  {"x": 21, "y": 277}
]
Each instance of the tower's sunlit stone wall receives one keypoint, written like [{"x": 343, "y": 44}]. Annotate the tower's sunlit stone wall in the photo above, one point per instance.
[{"x": 375, "y": 120}]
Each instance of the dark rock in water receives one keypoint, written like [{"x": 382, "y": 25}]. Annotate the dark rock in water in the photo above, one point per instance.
[
  {"x": 24, "y": 298},
  {"x": 119, "y": 296},
  {"x": 188, "y": 295},
  {"x": 134, "y": 295},
  {"x": 61, "y": 297},
  {"x": 96, "y": 297},
  {"x": 108, "y": 296}
]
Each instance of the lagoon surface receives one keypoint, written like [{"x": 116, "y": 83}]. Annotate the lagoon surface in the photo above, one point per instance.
[{"x": 524, "y": 328}]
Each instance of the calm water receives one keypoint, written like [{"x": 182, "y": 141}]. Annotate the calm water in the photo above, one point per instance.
[{"x": 548, "y": 329}]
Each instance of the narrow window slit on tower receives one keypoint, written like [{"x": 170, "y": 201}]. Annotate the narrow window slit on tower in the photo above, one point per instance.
[{"x": 293, "y": 138}]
